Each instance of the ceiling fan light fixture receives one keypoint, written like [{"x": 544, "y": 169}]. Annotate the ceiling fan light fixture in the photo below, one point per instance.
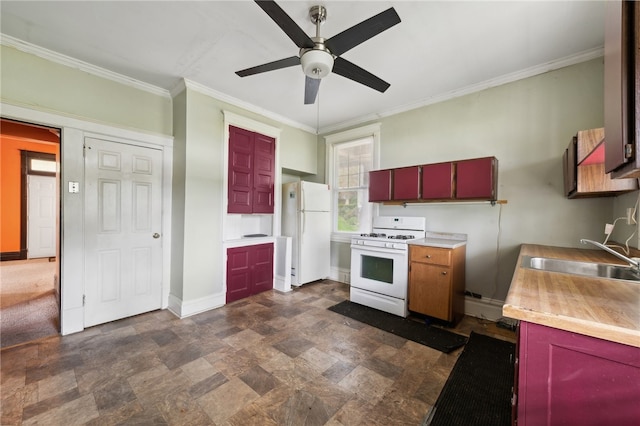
[{"x": 316, "y": 63}]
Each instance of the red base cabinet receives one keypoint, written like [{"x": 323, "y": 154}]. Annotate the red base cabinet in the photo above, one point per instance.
[
  {"x": 249, "y": 271},
  {"x": 567, "y": 378}
]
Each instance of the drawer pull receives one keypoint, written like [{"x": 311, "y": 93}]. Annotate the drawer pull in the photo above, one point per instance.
[
  {"x": 444, "y": 272},
  {"x": 428, "y": 256}
]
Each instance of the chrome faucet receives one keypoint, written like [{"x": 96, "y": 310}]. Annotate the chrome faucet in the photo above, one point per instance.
[{"x": 631, "y": 262}]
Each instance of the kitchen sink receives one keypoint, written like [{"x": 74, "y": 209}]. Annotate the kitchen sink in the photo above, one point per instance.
[{"x": 589, "y": 269}]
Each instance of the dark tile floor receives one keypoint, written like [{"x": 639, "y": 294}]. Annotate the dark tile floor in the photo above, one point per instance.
[{"x": 271, "y": 359}]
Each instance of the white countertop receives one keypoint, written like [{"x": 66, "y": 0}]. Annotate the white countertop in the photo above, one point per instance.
[
  {"x": 441, "y": 240},
  {"x": 249, "y": 241}
]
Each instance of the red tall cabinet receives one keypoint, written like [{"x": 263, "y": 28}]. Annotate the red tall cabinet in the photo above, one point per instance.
[{"x": 251, "y": 172}]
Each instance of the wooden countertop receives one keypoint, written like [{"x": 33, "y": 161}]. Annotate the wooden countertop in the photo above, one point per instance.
[{"x": 603, "y": 308}]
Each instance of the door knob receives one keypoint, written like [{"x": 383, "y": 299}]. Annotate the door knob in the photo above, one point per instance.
[{"x": 156, "y": 235}]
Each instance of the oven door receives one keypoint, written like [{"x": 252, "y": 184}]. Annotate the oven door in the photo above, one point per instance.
[{"x": 380, "y": 270}]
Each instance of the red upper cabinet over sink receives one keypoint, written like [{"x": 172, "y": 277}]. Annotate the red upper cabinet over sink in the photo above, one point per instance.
[
  {"x": 406, "y": 183},
  {"x": 477, "y": 178}
]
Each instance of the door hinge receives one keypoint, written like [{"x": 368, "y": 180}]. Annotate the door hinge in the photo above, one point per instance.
[
  {"x": 84, "y": 298},
  {"x": 628, "y": 151}
]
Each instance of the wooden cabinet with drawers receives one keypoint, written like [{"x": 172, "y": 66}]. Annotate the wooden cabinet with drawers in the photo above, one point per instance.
[{"x": 437, "y": 281}]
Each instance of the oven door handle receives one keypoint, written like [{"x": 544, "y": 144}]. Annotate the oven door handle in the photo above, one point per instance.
[{"x": 373, "y": 249}]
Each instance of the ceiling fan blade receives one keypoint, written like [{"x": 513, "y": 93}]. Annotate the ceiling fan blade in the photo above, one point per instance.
[
  {"x": 311, "y": 86},
  {"x": 350, "y": 38},
  {"x": 353, "y": 72},
  {"x": 275, "y": 65},
  {"x": 284, "y": 21}
]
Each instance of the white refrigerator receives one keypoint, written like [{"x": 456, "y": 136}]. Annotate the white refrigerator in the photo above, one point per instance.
[{"x": 306, "y": 218}]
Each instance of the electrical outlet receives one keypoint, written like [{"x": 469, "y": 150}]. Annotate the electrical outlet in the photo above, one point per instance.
[{"x": 630, "y": 219}]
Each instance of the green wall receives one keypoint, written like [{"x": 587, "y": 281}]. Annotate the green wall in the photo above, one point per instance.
[
  {"x": 33, "y": 82},
  {"x": 527, "y": 125},
  {"x": 197, "y": 263}
]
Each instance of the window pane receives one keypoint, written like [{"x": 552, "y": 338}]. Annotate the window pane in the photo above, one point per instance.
[
  {"x": 43, "y": 165},
  {"x": 354, "y": 211},
  {"x": 352, "y": 162}
]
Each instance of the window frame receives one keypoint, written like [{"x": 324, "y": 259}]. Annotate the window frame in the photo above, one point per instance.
[{"x": 331, "y": 142}]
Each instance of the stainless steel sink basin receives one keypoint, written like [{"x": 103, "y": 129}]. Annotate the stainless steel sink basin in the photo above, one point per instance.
[{"x": 597, "y": 270}]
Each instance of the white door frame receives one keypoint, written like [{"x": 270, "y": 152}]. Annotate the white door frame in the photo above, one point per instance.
[{"x": 71, "y": 216}]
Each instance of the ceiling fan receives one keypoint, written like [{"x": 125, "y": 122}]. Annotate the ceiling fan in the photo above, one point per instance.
[{"x": 319, "y": 56}]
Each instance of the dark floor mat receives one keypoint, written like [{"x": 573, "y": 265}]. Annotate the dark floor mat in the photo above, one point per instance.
[
  {"x": 434, "y": 337},
  {"x": 478, "y": 390}
]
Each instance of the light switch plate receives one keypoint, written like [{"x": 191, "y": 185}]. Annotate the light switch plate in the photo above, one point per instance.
[{"x": 74, "y": 187}]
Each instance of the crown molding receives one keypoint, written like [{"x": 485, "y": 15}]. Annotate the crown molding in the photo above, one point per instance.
[
  {"x": 580, "y": 57},
  {"x": 59, "y": 58},
  {"x": 68, "y": 61},
  {"x": 241, "y": 104}
]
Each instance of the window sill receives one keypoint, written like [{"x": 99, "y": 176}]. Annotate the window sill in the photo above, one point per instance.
[{"x": 342, "y": 237}]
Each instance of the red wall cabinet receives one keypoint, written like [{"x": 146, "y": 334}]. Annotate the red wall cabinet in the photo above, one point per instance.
[
  {"x": 251, "y": 172},
  {"x": 437, "y": 181},
  {"x": 249, "y": 271},
  {"x": 474, "y": 179},
  {"x": 380, "y": 185},
  {"x": 406, "y": 183},
  {"x": 567, "y": 378},
  {"x": 477, "y": 178}
]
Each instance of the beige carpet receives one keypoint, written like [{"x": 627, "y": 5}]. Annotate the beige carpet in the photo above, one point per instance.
[{"x": 28, "y": 305}]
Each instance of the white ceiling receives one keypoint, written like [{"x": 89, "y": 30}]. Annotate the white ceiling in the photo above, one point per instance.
[{"x": 440, "y": 49}]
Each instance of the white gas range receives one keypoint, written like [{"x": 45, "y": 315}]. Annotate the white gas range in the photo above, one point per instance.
[{"x": 379, "y": 263}]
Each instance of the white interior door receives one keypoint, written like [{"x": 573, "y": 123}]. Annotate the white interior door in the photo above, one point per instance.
[
  {"x": 41, "y": 216},
  {"x": 123, "y": 249}
]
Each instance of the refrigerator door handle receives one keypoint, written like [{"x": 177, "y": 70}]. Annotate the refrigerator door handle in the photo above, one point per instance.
[
  {"x": 301, "y": 198},
  {"x": 303, "y": 226}
]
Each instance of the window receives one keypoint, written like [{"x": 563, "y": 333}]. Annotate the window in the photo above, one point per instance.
[
  {"x": 38, "y": 165},
  {"x": 350, "y": 157}
]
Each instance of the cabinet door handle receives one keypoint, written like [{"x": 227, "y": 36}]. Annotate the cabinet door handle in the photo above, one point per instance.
[
  {"x": 444, "y": 272},
  {"x": 428, "y": 256}
]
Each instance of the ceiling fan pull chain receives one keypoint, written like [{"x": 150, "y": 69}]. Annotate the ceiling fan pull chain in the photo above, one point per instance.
[{"x": 318, "y": 113}]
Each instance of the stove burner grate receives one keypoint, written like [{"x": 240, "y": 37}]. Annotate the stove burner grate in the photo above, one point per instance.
[{"x": 402, "y": 237}]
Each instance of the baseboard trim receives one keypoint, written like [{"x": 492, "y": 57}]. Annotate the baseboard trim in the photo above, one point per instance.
[
  {"x": 183, "y": 309},
  {"x": 485, "y": 308},
  {"x": 341, "y": 275},
  {"x": 282, "y": 284},
  {"x": 11, "y": 255}
]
